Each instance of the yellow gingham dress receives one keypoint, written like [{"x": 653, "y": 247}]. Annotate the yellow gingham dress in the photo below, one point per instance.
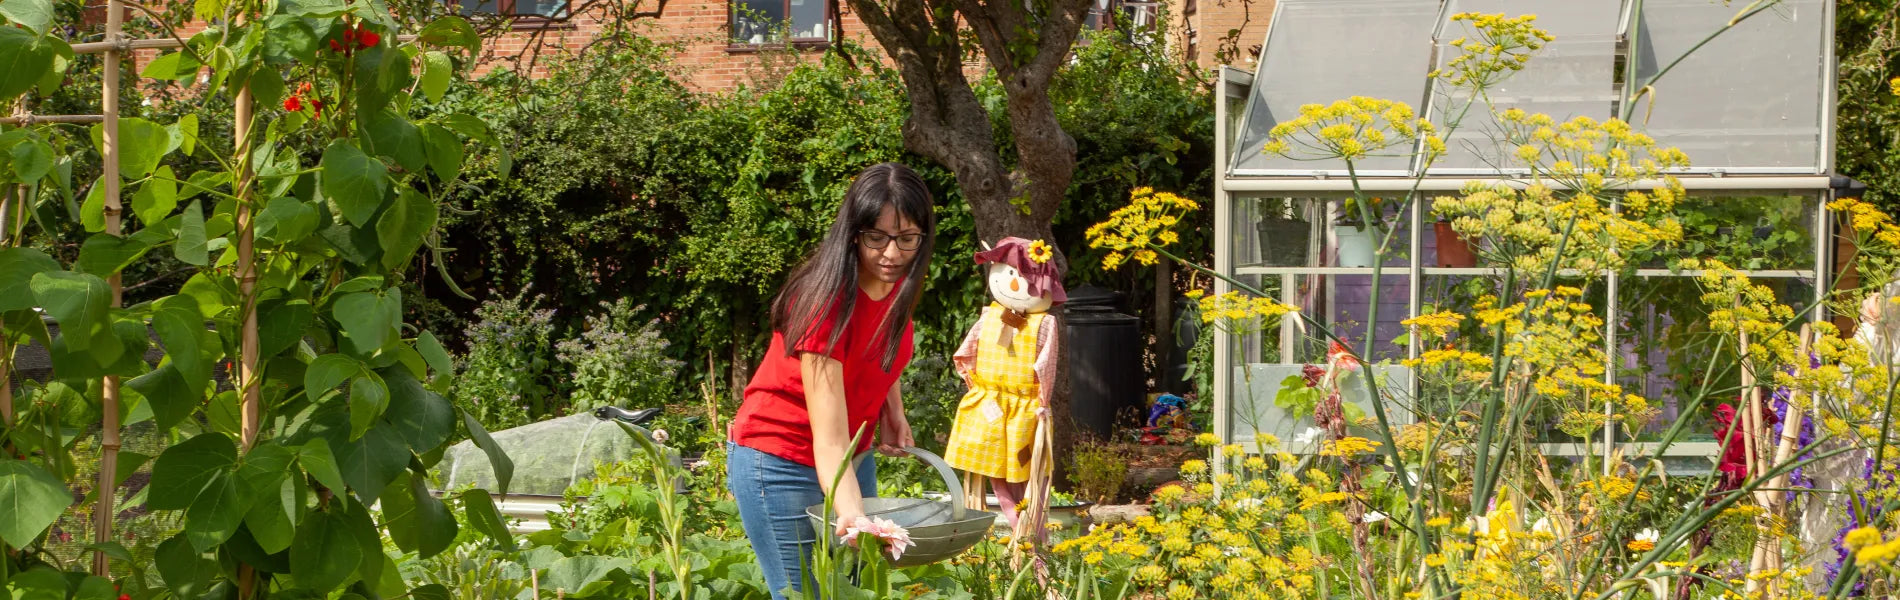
[{"x": 986, "y": 440}]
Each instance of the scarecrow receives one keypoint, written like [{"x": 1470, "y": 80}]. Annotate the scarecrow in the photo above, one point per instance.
[{"x": 1002, "y": 432}]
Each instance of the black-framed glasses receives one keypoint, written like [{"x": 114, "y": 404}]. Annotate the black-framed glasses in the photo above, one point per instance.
[{"x": 877, "y": 240}]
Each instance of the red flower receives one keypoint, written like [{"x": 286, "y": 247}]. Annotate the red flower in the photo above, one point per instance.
[
  {"x": 369, "y": 38},
  {"x": 335, "y": 47},
  {"x": 293, "y": 104},
  {"x": 125, "y": 597},
  {"x": 1312, "y": 374},
  {"x": 316, "y": 108},
  {"x": 1343, "y": 358}
]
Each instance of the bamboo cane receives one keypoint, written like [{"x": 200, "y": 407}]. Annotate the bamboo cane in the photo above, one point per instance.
[
  {"x": 6, "y": 349},
  {"x": 251, "y": 408},
  {"x": 24, "y": 119},
  {"x": 104, "y": 505},
  {"x": 1784, "y": 450}
]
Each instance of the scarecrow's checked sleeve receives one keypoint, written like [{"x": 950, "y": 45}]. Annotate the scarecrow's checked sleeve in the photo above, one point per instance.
[
  {"x": 1049, "y": 342},
  {"x": 965, "y": 358}
]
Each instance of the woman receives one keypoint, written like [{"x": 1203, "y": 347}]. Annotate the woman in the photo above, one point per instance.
[{"x": 841, "y": 335}]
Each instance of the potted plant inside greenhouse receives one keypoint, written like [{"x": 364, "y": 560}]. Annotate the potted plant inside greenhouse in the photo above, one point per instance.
[
  {"x": 1284, "y": 232},
  {"x": 1453, "y": 249},
  {"x": 1352, "y": 231}
]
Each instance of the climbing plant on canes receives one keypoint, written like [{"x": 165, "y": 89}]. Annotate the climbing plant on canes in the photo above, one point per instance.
[{"x": 296, "y": 239}]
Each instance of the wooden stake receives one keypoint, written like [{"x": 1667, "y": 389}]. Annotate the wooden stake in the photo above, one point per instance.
[
  {"x": 6, "y": 349},
  {"x": 252, "y": 404},
  {"x": 104, "y": 500}
]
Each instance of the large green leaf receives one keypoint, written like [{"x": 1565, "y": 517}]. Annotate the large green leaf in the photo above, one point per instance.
[
  {"x": 575, "y": 573},
  {"x": 104, "y": 254},
  {"x": 327, "y": 372},
  {"x": 369, "y": 463},
  {"x": 215, "y": 514},
  {"x": 31, "y": 498},
  {"x": 36, "y": 15},
  {"x": 368, "y": 318},
  {"x": 25, "y": 58},
  {"x": 472, "y": 127},
  {"x": 325, "y": 553},
  {"x": 176, "y": 66},
  {"x": 285, "y": 220},
  {"x": 436, "y": 72},
  {"x": 166, "y": 392},
  {"x": 262, "y": 468},
  {"x": 355, "y": 181},
  {"x": 142, "y": 144},
  {"x": 192, "y": 248},
  {"x": 422, "y": 418},
  {"x": 92, "y": 210},
  {"x": 186, "y": 471},
  {"x": 193, "y": 350},
  {"x": 357, "y": 245},
  {"x": 17, "y": 268},
  {"x": 157, "y": 197},
  {"x": 79, "y": 302},
  {"x": 315, "y": 457},
  {"x": 418, "y": 522},
  {"x": 187, "y": 572},
  {"x": 452, "y": 31},
  {"x": 402, "y": 228},
  {"x": 445, "y": 151},
  {"x": 498, "y": 460},
  {"x": 369, "y": 397},
  {"x": 389, "y": 134},
  {"x": 433, "y": 352},
  {"x": 273, "y": 517},
  {"x": 280, "y": 324},
  {"x": 31, "y": 159},
  {"x": 291, "y": 40},
  {"x": 485, "y": 518}
]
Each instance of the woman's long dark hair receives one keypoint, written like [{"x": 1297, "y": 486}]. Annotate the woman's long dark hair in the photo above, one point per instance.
[{"x": 827, "y": 283}]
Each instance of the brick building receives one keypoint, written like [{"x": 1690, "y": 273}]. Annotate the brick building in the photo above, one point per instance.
[{"x": 728, "y": 42}]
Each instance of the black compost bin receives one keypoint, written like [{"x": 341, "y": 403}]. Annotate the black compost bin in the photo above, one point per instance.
[{"x": 1103, "y": 348}]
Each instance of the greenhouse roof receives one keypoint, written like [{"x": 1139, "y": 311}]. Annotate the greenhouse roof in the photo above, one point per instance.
[{"x": 1754, "y": 100}]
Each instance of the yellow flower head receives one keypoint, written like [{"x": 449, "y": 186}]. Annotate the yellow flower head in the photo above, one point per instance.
[{"x": 1040, "y": 252}]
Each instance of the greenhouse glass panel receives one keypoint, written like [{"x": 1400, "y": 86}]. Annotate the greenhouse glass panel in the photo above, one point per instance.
[
  {"x": 1751, "y": 99},
  {"x": 1571, "y": 77},
  {"x": 1319, "y": 51}
]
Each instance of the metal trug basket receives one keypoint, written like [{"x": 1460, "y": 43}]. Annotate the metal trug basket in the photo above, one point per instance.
[{"x": 938, "y": 529}]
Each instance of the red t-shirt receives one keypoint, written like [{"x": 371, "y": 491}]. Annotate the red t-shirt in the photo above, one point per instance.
[{"x": 773, "y": 418}]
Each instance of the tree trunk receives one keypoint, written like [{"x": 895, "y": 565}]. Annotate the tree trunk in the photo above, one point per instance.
[{"x": 948, "y": 125}]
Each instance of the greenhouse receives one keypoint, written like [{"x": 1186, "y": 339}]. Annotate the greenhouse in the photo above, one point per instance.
[{"x": 1751, "y": 107}]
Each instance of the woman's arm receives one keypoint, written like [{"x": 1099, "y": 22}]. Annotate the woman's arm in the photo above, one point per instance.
[
  {"x": 831, "y": 441},
  {"x": 894, "y": 427}
]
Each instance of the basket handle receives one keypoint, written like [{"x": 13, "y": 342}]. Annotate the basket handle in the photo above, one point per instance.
[{"x": 949, "y": 476}]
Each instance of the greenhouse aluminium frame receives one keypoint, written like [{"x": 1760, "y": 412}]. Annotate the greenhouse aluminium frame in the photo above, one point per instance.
[{"x": 1752, "y": 106}]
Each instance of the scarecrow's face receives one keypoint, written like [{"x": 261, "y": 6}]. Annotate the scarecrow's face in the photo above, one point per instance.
[{"x": 1012, "y": 291}]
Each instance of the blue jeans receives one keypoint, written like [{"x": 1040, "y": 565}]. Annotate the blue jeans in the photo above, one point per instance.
[{"x": 772, "y": 494}]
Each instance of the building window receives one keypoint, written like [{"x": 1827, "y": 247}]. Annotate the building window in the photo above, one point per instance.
[
  {"x": 778, "y": 21},
  {"x": 1139, "y": 14},
  {"x": 538, "y": 9}
]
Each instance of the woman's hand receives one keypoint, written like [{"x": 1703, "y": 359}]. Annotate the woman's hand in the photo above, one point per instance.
[
  {"x": 894, "y": 434},
  {"x": 846, "y": 515}
]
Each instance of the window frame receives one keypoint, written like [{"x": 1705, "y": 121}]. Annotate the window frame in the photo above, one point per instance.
[
  {"x": 735, "y": 45},
  {"x": 518, "y": 21}
]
